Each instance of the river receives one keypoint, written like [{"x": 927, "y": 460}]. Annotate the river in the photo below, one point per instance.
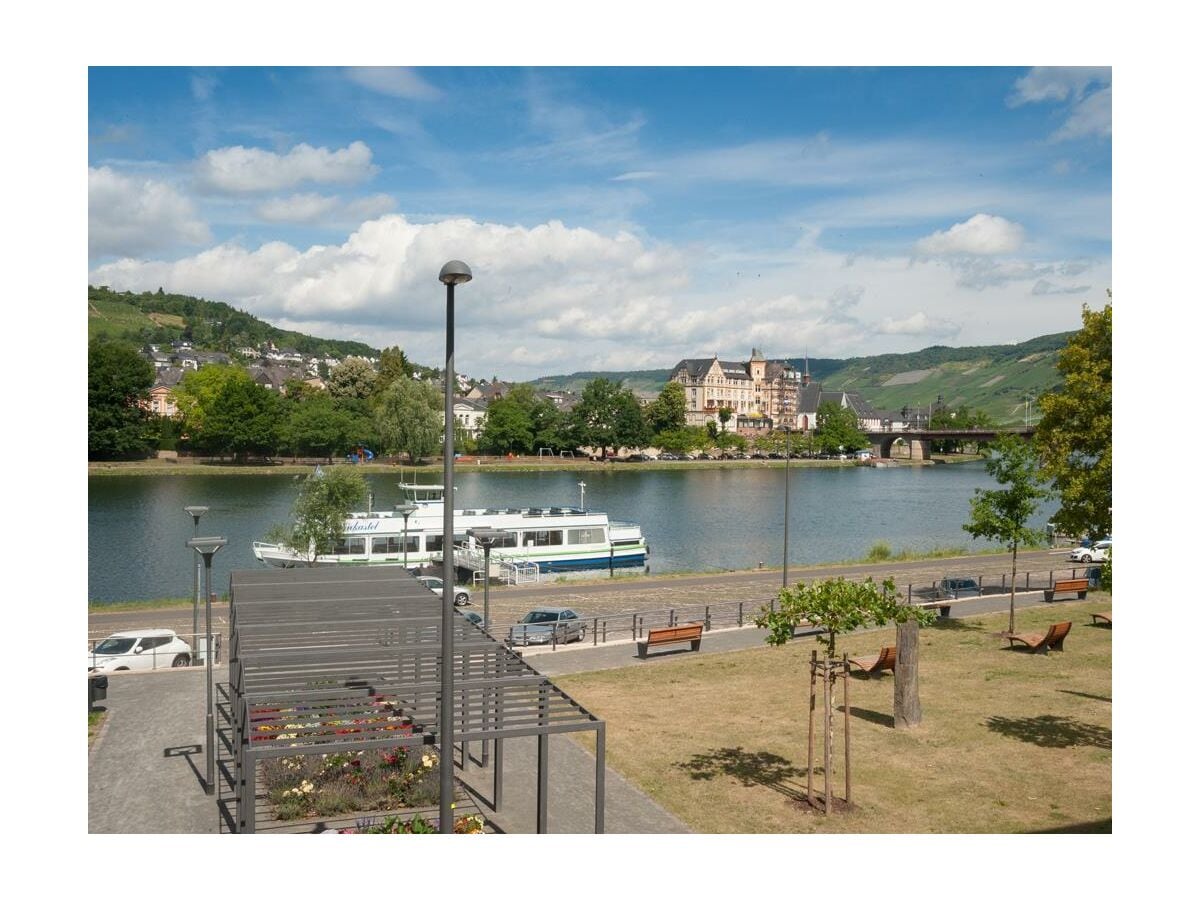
[{"x": 694, "y": 519}]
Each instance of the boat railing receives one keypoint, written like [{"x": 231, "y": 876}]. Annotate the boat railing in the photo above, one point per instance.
[{"x": 503, "y": 567}]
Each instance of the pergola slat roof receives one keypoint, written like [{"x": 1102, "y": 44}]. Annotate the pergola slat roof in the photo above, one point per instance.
[{"x": 327, "y": 660}]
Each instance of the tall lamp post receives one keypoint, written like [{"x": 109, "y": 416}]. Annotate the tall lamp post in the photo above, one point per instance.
[
  {"x": 582, "y": 490},
  {"x": 453, "y": 272},
  {"x": 196, "y": 512},
  {"x": 787, "y": 472},
  {"x": 208, "y": 547},
  {"x": 487, "y": 538},
  {"x": 406, "y": 510}
]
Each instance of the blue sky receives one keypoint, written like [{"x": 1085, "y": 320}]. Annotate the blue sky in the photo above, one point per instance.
[{"x": 614, "y": 217}]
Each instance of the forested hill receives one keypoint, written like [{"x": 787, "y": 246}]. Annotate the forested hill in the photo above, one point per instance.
[
  {"x": 996, "y": 379},
  {"x": 159, "y": 318}
]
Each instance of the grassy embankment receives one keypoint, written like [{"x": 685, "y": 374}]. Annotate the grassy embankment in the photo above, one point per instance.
[
  {"x": 95, "y": 719},
  {"x": 1010, "y": 742},
  {"x": 995, "y": 722}
]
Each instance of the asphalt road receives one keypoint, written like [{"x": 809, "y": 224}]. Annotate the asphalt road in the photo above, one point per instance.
[{"x": 638, "y": 593}]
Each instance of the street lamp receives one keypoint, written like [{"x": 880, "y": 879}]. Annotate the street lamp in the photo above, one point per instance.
[
  {"x": 195, "y": 512},
  {"x": 487, "y": 538},
  {"x": 208, "y": 547},
  {"x": 582, "y": 490},
  {"x": 453, "y": 272},
  {"x": 787, "y": 472},
  {"x": 406, "y": 510}
]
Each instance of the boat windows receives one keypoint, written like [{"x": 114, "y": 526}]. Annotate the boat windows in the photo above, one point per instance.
[
  {"x": 585, "y": 535},
  {"x": 350, "y": 546},
  {"x": 392, "y": 544},
  {"x": 542, "y": 538},
  {"x": 433, "y": 542}
]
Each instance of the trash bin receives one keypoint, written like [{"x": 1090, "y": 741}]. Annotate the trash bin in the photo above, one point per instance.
[{"x": 97, "y": 689}]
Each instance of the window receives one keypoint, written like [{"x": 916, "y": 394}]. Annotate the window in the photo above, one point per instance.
[
  {"x": 392, "y": 544},
  {"x": 433, "y": 542},
  {"x": 350, "y": 546},
  {"x": 542, "y": 538},
  {"x": 585, "y": 535}
]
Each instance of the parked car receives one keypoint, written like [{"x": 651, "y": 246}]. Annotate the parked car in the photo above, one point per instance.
[
  {"x": 957, "y": 588},
  {"x": 540, "y": 625},
  {"x": 462, "y": 596},
  {"x": 1098, "y": 552},
  {"x": 144, "y": 649}
]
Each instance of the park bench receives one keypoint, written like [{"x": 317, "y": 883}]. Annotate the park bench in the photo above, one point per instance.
[
  {"x": 676, "y": 634},
  {"x": 1078, "y": 586},
  {"x": 1106, "y": 618},
  {"x": 1051, "y": 640},
  {"x": 874, "y": 666}
]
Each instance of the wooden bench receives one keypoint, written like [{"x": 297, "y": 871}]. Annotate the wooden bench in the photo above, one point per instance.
[
  {"x": 678, "y": 634},
  {"x": 1078, "y": 586},
  {"x": 1106, "y": 618},
  {"x": 1051, "y": 640},
  {"x": 874, "y": 666}
]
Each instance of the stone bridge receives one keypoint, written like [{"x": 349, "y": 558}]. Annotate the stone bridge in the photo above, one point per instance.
[{"x": 919, "y": 439}]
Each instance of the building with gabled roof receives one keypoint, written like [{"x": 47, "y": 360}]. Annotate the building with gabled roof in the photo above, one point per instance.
[{"x": 758, "y": 388}]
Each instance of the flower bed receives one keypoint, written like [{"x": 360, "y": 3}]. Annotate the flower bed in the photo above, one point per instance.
[
  {"x": 335, "y": 783},
  {"x": 416, "y": 825}
]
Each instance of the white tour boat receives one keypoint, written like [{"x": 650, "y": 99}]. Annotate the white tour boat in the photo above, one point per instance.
[{"x": 554, "y": 539}]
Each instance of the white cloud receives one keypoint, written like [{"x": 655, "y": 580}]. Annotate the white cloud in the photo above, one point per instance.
[
  {"x": 980, "y": 235},
  {"x": 1044, "y": 287},
  {"x": 395, "y": 81},
  {"x": 1090, "y": 116},
  {"x": 552, "y": 298},
  {"x": 203, "y": 87},
  {"x": 132, "y": 216},
  {"x": 1057, "y": 83},
  {"x": 247, "y": 169},
  {"x": 634, "y": 176},
  {"x": 321, "y": 209}
]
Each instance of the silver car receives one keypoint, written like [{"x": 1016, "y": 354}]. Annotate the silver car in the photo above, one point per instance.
[
  {"x": 547, "y": 624},
  {"x": 462, "y": 596}
]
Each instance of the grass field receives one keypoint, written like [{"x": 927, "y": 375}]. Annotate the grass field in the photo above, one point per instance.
[{"x": 1010, "y": 742}]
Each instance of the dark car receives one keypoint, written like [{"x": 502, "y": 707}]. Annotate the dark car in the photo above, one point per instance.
[
  {"x": 548, "y": 624},
  {"x": 957, "y": 588}
]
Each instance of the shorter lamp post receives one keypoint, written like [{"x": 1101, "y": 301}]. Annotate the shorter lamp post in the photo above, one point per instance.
[
  {"x": 582, "y": 491},
  {"x": 195, "y": 512},
  {"x": 208, "y": 547},
  {"x": 406, "y": 510},
  {"x": 487, "y": 538}
]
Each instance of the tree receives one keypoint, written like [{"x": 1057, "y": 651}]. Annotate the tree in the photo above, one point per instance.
[
  {"x": 353, "y": 377},
  {"x": 837, "y": 429},
  {"x": 668, "y": 412},
  {"x": 608, "y": 416},
  {"x": 319, "y": 427},
  {"x": 393, "y": 364},
  {"x": 1001, "y": 514},
  {"x": 1074, "y": 436},
  {"x": 408, "y": 417},
  {"x": 320, "y": 512},
  {"x": 119, "y": 382},
  {"x": 198, "y": 391},
  {"x": 244, "y": 419},
  {"x": 724, "y": 414},
  {"x": 508, "y": 427}
]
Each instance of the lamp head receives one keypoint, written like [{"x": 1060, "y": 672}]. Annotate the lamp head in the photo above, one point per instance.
[
  {"x": 207, "y": 546},
  {"x": 406, "y": 509},
  {"x": 455, "y": 272},
  {"x": 487, "y": 537},
  {"x": 195, "y": 511}
]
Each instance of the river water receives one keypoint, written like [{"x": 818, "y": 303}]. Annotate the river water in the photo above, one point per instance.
[{"x": 694, "y": 519}]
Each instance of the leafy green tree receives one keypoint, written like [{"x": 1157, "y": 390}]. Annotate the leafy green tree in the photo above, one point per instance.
[
  {"x": 608, "y": 416},
  {"x": 198, "y": 391},
  {"x": 320, "y": 512},
  {"x": 682, "y": 440},
  {"x": 724, "y": 414},
  {"x": 319, "y": 427},
  {"x": 669, "y": 411},
  {"x": 408, "y": 418},
  {"x": 393, "y": 364},
  {"x": 353, "y": 377},
  {"x": 1074, "y": 435},
  {"x": 508, "y": 427},
  {"x": 119, "y": 381},
  {"x": 245, "y": 419},
  {"x": 1001, "y": 514},
  {"x": 837, "y": 427}
]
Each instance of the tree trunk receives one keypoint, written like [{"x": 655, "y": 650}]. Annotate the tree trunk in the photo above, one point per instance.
[
  {"x": 906, "y": 698},
  {"x": 1012, "y": 594}
]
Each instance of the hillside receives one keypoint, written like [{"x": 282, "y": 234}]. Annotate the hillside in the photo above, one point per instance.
[
  {"x": 995, "y": 379},
  {"x": 159, "y": 318}
]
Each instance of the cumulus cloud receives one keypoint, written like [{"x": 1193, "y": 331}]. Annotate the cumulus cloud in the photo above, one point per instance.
[
  {"x": 395, "y": 81},
  {"x": 249, "y": 169},
  {"x": 132, "y": 216},
  {"x": 317, "y": 208},
  {"x": 921, "y": 324},
  {"x": 980, "y": 235}
]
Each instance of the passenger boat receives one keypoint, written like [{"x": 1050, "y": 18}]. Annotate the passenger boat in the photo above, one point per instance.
[{"x": 554, "y": 539}]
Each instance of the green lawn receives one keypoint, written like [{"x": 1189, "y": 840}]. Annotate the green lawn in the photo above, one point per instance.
[{"x": 1011, "y": 741}]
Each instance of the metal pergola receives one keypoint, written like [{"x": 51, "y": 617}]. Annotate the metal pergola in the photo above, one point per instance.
[{"x": 328, "y": 660}]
